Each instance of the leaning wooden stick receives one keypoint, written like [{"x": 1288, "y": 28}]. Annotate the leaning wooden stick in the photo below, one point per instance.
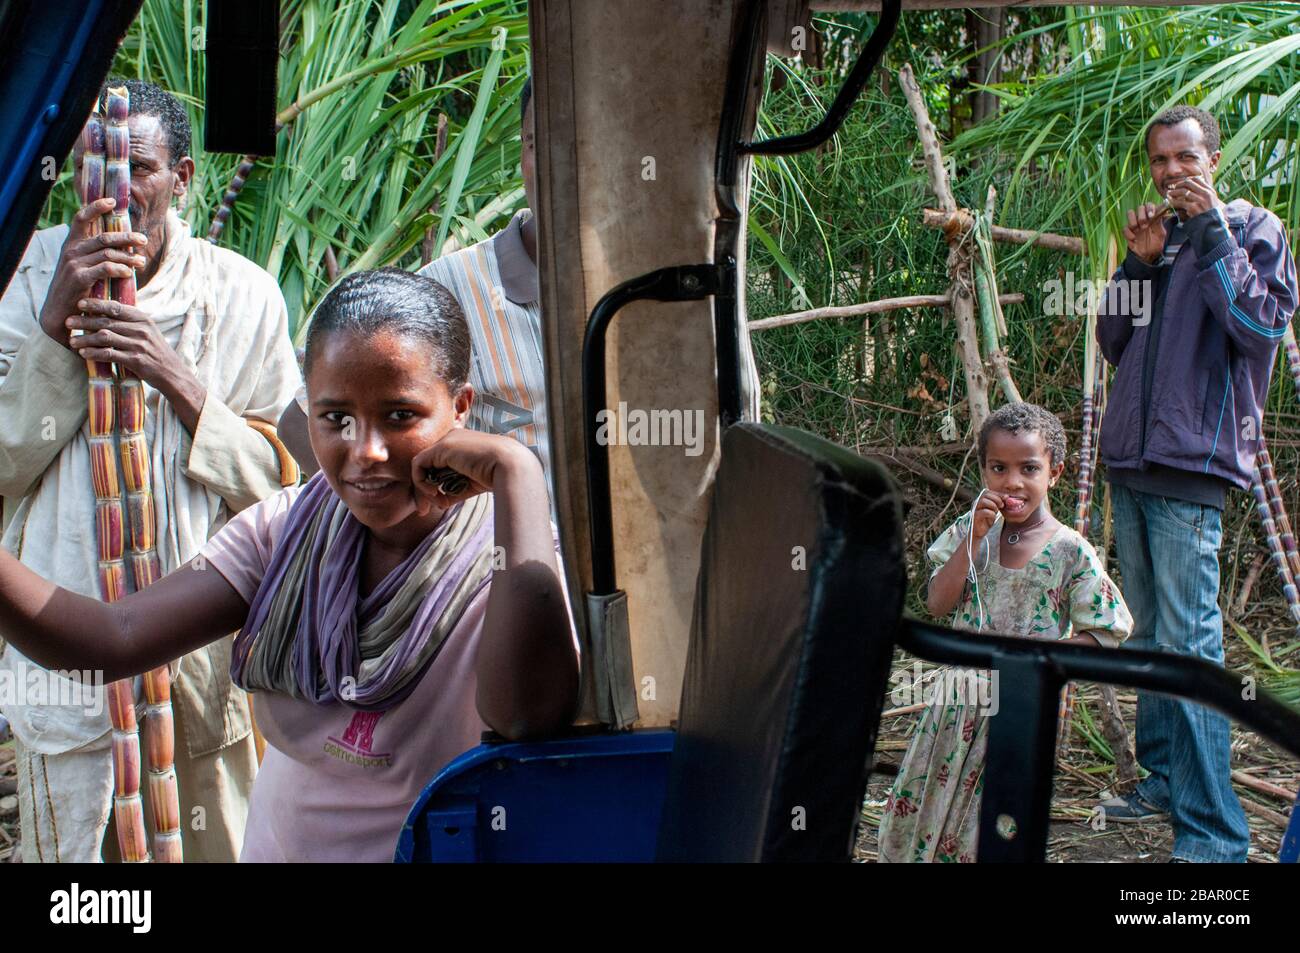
[
  {"x": 868, "y": 307},
  {"x": 959, "y": 254},
  {"x": 145, "y": 565}
]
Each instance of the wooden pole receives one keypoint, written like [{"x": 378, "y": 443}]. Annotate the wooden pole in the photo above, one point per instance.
[
  {"x": 961, "y": 221},
  {"x": 959, "y": 256},
  {"x": 869, "y": 307}
]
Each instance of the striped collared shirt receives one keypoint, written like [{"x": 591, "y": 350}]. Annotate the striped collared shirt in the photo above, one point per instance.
[{"x": 497, "y": 286}]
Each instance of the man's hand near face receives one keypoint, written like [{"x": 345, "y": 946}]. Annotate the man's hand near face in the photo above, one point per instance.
[
  {"x": 128, "y": 337},
  {"x": 1193, "y": 196},
  {"x": 1145, "y": 232},
  {"x": 84, "y": 260}
]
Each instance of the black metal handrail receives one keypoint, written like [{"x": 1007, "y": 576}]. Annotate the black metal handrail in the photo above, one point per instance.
[
  {"x": 890, "y": 10},
  {"x": 1016, "y": 809},
  {"x": 679, "y": 283}
]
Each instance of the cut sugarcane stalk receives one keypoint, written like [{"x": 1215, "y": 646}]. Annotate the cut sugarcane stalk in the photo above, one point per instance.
[
  {"x": 1264, "y": 461},
  {"x": 1094, "y": 382},
  {"x": 128, "y": 808},
  {"x": 142, "y": 522},
  {"x": 1292, "y": 352},
  {"x": 1278, "y": 554}
]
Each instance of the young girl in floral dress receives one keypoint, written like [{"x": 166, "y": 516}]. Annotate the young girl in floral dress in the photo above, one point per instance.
[{"x": 1035, "y": 578}]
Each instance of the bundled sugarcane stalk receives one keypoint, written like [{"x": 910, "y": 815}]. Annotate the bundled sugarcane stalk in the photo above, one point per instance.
[
  {"x": 1269, "y": 504},
  {"x": 1094, "y": 405},
  {"x": 1277, "y": 528},
  {"x": 1278, "y": 554},
  {"x": 1083, "y": 507},
  {"x": 1092, "y": 379},
  {"x": 1264, "y": 464},
  {"x": 128, "y": 807},
  {"x": 106, "y": 171},
  {"x": 1292, "y": 353},
  {"x": 1094, "y": 408}
]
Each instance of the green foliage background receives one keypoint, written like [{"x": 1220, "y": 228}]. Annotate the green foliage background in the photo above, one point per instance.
[
  {"x": 1065, "y": 153},
  {"x": 356, "y": 174}
]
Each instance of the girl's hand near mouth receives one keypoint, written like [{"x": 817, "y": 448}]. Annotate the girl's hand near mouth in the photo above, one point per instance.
[{"x": 986, "y": 513}]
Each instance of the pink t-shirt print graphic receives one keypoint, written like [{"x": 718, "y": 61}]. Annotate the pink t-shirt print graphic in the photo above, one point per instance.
[{"x": 357, "y": 741}]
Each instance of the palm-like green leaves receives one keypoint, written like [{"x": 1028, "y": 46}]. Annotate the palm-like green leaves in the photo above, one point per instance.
[
  {"x": 1086, "y": 125},
  {"x": 361, "y": 85}
]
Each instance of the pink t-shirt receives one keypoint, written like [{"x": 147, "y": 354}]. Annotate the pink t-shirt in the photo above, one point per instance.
[{"x": 336, "y": 784}]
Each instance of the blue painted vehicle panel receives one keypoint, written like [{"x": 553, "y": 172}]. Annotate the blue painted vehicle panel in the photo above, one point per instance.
[
  {"x": 593, "y": 798},
  {"x": 1290, "y": 850}
]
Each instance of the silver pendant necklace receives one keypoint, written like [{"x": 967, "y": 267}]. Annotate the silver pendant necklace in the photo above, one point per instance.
[{"x": 1014, "y": 538}]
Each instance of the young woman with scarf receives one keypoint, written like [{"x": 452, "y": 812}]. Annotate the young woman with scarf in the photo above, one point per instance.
[{"x": 383, "y": 623}]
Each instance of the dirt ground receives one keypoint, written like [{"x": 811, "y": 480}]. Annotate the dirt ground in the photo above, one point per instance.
[
  {"x": 8, "y": 804},
  {"x": 1081, "y": 779}
]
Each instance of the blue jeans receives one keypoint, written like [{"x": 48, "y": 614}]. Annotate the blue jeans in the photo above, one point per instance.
[{"x": 1169, "y": 556}]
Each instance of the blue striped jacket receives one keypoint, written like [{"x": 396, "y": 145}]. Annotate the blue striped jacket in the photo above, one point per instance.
[{"x": 1225, "y": 313}]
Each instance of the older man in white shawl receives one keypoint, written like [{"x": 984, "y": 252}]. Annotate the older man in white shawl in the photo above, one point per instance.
[{"x": 209, "y": 337}]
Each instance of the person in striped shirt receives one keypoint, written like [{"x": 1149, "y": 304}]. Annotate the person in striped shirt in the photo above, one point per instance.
[{"x": 496, "y": 283}]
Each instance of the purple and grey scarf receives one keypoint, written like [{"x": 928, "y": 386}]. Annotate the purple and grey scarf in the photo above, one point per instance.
[{"x": 310, "y": 635}]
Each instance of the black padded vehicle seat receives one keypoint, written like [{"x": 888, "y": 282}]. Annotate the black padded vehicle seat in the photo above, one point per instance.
[{"x": 799, "y": 598}]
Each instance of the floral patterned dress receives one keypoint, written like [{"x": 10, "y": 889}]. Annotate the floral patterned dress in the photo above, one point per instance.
[{"x": 932, "y": 813}]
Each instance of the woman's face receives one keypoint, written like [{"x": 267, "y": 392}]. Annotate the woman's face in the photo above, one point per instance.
[{"x": 374, "y": 403}]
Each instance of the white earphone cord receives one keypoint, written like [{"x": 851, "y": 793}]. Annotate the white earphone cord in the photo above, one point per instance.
[{"x": 972, "y": 575}]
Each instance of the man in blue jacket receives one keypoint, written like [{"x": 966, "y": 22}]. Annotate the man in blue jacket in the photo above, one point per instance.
[{"x": 1193, "y": 357}]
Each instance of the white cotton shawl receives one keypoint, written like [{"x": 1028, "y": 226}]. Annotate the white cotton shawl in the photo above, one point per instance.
[{"x": 226, "y": 318}]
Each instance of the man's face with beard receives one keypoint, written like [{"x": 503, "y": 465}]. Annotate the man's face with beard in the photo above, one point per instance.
[{"x": 155, "y": 181}]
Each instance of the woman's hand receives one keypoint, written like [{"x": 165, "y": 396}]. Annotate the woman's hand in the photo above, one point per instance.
[
  {"x": 485, "y": 460},
  {"x": 526, "y": 664}
]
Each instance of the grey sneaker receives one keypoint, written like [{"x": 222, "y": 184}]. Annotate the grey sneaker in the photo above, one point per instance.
[{"x": 1130, "y": 809}]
